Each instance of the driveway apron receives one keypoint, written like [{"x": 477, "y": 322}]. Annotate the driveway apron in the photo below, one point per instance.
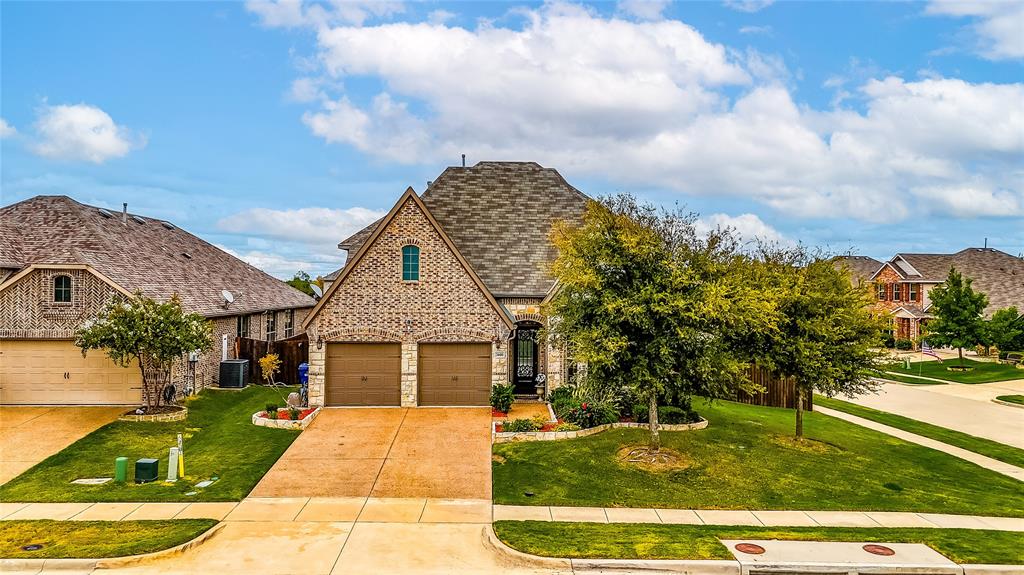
[{"x": 29, "y": 435}]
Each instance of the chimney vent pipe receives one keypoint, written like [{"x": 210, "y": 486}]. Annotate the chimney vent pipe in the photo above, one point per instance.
[
  {"x": 124, "y": 213},
  {"x": 463, "y": 160}
]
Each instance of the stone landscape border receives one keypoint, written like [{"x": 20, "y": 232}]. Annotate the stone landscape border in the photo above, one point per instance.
[
  {"x": 257, "y": 419},
  {"x": 510, "y": 436},
  {"x": 178, "y": 415}
]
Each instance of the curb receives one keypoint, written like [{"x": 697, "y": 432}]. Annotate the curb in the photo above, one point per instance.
[
  {"x": 686, "y": 566},
  {"x": 37, "y": 565},
  {"x": 1008, "y": 403},
  {"x": 510, "y": 557}
]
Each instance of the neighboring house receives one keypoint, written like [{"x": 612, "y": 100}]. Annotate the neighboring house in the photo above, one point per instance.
[
  {"x": 61, "y": 261},
  {"x": 441, "y": 298},
  {"x": 902, "y": 284}
]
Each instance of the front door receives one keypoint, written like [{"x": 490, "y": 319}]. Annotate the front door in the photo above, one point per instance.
[{"x": 525, "y": 366}]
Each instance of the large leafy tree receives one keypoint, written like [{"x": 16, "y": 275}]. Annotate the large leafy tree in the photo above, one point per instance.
[
  {"x": 649, "y": 305},
  {"x": 826, "y": 338},
  {"x": 1005, "y": 330},
  {"x": 958, "y": 314},
  {"x": 154, "y": 334},
  {"x": 301, "y": 281}
]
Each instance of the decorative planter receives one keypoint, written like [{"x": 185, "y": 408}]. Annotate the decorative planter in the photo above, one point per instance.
[
  {"x": 177, "y": 415},
  {"x": 510, "y": 436},
  {"x": 260, "y": 419}
]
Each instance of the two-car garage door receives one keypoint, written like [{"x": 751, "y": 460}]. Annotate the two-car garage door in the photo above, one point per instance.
[
  {"x": 53, "y": 372},
  {"x": 370, "y": 374}
]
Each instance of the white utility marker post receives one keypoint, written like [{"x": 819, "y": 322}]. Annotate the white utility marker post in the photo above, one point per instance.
[{"x": 224, "y": 347}]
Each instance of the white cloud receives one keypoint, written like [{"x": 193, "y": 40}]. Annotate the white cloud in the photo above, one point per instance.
[
  {"x": 81, "y": 132},
  {"x": 296, "y": 14},
  {"x": 656, "y": 104},
  {"x": 278, "y": 265},
  {"x": 764, "y": 30},
  {"x": 439, "y": 16},
  {"x": 309, "y": 225},
  {"x": 6, "y": 130},
  {"x": 998, "y": 26},
  {"x": 643, "y": 9},
  {"x": 749, "y": 227},
  {"x": 748, "y": 5}
]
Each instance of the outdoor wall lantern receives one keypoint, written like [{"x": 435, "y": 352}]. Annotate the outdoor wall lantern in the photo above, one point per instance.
[{"x": 319, "y": 342}]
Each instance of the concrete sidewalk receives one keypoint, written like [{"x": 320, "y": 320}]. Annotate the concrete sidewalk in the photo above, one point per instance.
[
  {"x": 975, "y": 458},
  {"x": 755, "y": 518}
]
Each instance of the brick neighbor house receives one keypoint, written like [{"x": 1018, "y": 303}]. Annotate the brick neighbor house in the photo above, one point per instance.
[
  {"x": 901, "y": 285},
  {"x": 441, "y": 298},
  {"x": 61, "y": 261}
]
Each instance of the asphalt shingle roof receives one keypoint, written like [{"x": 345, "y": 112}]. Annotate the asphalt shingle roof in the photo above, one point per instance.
[
  {"x": 998, "y": 274},
  {"x": 499, "y": 215},
  {"x": 861, "y": 267},
  {"x": 142, "y": 254}
]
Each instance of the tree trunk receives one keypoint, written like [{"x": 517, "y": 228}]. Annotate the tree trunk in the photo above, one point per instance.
[
  {"x": 960, "y": 352},
  {"x": 652, "y": 417},
  {"x": 799, "y": 412}
]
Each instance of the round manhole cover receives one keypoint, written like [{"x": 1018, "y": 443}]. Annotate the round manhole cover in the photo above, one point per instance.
[
  {"x": 879, "y": 550},
  {"x": 32, "y": 547},
  {"x": 749, "y": 548}
]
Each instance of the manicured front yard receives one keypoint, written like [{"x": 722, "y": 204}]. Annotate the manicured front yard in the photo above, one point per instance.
[
  {"x": 747, "y": 459},
  {"x": 1018, "y": 399},
  {"x": 651, "y": 541},
  {"x": 219, "y": 440},
  {"x": 95, "y": 539},
  {"x": 982, "y": 372},
  {"x": 985, "y": 447}
]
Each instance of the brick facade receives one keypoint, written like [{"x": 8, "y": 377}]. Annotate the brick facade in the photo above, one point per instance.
[
  {"x": 372, "y": 303},
  {"x": 891, "y": 292}
]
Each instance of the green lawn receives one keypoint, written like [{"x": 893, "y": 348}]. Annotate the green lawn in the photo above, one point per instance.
[
  {"x": 747, "y": 459},
  {"x": 983, "y": 372},
  {"x": 1019, "y": 399},
  {"x": 96, "y": 539},
  {"x": 648, "y": 541},
  {"x": 908, "y": 379},
  {"x": 985, "y": 447},
  {"x": 219, "y": 440}
]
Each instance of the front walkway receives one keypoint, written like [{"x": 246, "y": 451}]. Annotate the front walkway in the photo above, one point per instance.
[
  {"x": 967, "y": 408},
  {"x": 754, "y": 518},
  {"x": 30, "y": 434},
  {"x": 977, "y": 459}
]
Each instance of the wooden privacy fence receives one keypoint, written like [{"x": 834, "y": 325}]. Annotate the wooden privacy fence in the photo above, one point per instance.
[
  {"x": 778, "y": 392},
  {"x": 292, "y": 351}
]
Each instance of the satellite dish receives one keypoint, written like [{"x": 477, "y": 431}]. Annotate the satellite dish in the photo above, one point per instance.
[
  {"x": 228, "y": 297},
  {"x": 316, "y": 290}
]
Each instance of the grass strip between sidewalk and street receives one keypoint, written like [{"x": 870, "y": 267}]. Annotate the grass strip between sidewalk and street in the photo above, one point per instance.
[
  {"x": 1018, "y": 399},
  {"x": 979, "y": 445},
  {"x": 980, "y": 371},
  {"x": 653, "y": 541},
  {"x": 96, "y": 539}
]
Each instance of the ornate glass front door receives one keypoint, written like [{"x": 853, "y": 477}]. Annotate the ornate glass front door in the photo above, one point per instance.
[{"x": 525, "y": 361}]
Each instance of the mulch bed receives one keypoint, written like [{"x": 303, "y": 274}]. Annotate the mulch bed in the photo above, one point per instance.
[
  {"x": 283, "y": 413},
  {"x": 157, "y": 410},
  {"x": 547, "y": 427},
  {"x": 496, "y": 413}
]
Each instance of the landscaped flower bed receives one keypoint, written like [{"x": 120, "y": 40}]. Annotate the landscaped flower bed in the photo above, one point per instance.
[
  {"x": 548, "y": 433},
  {"x": 284, "y": 420}
]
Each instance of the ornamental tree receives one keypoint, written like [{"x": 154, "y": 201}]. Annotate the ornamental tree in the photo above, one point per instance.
[
  {"x": 958, "y": 314},
  {"x": 1005, "y": 330},
  {"x": 826, "y": 338},
  {"x": 153, "y": 334},
  {"x": 649, "y": 305}
]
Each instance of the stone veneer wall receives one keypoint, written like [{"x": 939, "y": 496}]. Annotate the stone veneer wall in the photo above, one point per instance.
[{"x": 374, "y": 304}]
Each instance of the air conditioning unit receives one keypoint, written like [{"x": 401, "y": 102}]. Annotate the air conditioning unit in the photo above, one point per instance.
[{"x": 234, "y": 373}]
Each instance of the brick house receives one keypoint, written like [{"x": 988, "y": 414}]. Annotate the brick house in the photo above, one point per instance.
[
  {"x": 901, "y": 285},
  {"x": 441, "y": 298},
  {"x": 61, "y": 261}
]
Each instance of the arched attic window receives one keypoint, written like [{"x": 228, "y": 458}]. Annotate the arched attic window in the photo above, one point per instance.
[
  {"x": 410, "y": 263},
  {"x": 62, "y": 289}
]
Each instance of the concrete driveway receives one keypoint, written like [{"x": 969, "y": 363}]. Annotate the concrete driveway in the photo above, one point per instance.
[
  {"x": 29, "y": 435},
  {"x": 442, "y": 453},
  {"x": 962, "y": 407}
]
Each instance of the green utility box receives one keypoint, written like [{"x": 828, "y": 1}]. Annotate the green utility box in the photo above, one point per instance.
[
  {"x": 146, "y": 470},
  {"x": 121, "y": 469}
]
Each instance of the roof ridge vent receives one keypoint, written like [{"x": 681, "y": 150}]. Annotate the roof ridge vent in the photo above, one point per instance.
[
  {"x": 105, "y": 213},
  {"x": 167, "y": 225},
  {"x": 138, "y": 219}
]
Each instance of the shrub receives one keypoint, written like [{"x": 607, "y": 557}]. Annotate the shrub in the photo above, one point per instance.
[
  {"x": 502, "y": 396},
  {"x": 566, "y": 426},
  {"x": 539, "y": 421},
  {"x": 904, "y": 344},
  {"x": 889, "y": 341},
  {"x": 667, "y": 414},
  {"x": 519, "y": 425},
  {"x": 588, "y": 414},
  {"x": 562, "y": 400},
  {"x": 271, "y": 409},
  {"x": 293, "y": 413}
]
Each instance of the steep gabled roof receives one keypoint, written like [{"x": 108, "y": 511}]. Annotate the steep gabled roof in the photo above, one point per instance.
[
  {"x": 862, "y": 268},
  {"x": 145, "y": 254},
  {"x": 499, "y": 215},
  {"x": 379, "y": 228}
]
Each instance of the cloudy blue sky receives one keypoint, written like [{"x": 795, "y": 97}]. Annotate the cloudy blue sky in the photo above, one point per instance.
[{"x": 276, "y": 129}]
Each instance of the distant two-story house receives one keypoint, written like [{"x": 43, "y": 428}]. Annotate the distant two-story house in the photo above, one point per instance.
[
  {"x": 61, "y": 261},
  {"x": 900, "y": 286},
  {"x": 441, "y": 298}
]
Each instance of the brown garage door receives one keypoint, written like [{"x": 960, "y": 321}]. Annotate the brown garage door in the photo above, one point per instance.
[
  {"x": 454, "y": 373},
  {"x": 363, "y": 374},
  {"x": 53, "y": 372}
]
